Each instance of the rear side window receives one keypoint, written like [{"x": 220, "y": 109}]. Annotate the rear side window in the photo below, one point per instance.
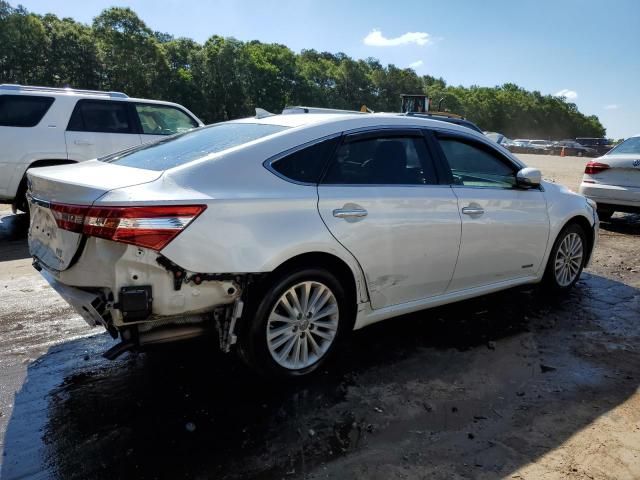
[
  {"x": 23, "y": 110},
  {"x": 630, "y": 145},
  {"x": 306, "y": 164},
  {"x": 473, "y": 165},
  {"x": 185, "y": 147},
  {"x": 163, "y": 119},
  {"x": 101, "y": 116},
  {"x": 393, "y": 160}
]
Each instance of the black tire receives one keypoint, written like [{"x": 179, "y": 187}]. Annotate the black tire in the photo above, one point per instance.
[
  {"x": 20, "y": 202},
  {"x": 605, "y": 214},
  {"x": 550, "y": 279},
  {"x": 252, "y": 339}
]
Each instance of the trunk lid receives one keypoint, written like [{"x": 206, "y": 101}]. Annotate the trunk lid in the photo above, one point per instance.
[
  {"x": 71, "y": 186},
  {"x": 624, "y": 170}
]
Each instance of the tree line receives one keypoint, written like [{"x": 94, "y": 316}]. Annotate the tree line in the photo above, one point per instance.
[{"x": 225, "y": 78}]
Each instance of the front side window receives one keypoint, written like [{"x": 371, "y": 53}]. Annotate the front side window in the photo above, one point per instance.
[
  {"x": 473, "y": 166},
  {"x": 382, "y": 161},
  {"x": 23, "y": 110},
  {"x": 101, "y": 116},
  {"x": 306, "y": 164},
  {"x": 163, "y": 119},
  {"x": 189, "y": 146}
]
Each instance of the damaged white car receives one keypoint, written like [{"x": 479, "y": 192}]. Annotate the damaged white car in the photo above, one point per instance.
[{"x": 282, "y": 233}]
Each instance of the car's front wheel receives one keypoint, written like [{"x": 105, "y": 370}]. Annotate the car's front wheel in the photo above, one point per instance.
[
  {"x": 296, "y": 324},
  {"x": 567, "y": 258}
]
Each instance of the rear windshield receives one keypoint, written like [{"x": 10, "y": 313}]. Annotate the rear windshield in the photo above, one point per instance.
[
  {"x": 23, "y": 110},
  {"x": 630, "y": 145},
  {"x": 186, "y": 147}
]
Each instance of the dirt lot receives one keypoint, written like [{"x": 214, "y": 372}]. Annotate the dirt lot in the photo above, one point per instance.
[{"x": 514, "y": 385}]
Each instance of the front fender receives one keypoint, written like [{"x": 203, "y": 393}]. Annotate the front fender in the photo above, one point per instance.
[{"x": 565, "y": 206}]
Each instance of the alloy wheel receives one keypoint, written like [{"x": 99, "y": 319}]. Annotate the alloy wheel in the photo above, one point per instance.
[
  {"x": 302, "y": 325},
  {"x": 568, "y": 259}
]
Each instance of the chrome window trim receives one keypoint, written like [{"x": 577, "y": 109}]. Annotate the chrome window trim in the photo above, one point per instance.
[
  {"x": 515, "y": 187},
  {"x": 386, "y": 185}
]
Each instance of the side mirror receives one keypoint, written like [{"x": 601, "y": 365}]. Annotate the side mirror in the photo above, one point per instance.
[{"x": 529, "y": 177}]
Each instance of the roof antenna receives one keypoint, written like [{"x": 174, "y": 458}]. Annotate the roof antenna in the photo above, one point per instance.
[{"x": 262, "y": 113}]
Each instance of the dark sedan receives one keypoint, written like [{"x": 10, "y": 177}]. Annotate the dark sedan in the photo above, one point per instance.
[{"x": 573, "y": 149}]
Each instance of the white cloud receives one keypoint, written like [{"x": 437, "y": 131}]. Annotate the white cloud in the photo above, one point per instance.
[
  {"x": 376, "y": 39},
  {"x": 416, "y": 64},
  {"x": 612, "y": 106},
  {"x": 566, "y": 93}
]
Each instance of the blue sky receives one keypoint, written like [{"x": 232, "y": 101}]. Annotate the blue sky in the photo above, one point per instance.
[{"x": 585, "y": 48}]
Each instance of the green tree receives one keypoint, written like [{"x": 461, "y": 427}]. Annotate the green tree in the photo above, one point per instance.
[
  {"x": 131, "y": 56},
  {"x": 226, "y": 78},
  {"x": 23, "y": 46},
  {"x": 72, "y": 55}
]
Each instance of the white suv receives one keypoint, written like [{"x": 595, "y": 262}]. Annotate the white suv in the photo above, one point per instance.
[{"x": 41, "y": 126}]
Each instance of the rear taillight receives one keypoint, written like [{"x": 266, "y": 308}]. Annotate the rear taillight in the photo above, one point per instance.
[
  {"x": 593, "y": 168},
  {"x": 149, "y": 226},
  {"x": 69, "y": 217}
]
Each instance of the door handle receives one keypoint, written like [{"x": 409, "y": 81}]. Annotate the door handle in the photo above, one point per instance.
[
  {"x": 349, "y": 212},
  {"x": 473, "y": 210},
  {"x": 82, "y": 142}
]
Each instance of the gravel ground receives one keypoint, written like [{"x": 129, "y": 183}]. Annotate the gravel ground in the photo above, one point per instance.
[{"x": 512, "y": 385}]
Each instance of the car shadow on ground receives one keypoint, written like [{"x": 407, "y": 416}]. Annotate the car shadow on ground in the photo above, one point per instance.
[
  {"x": 13, "y": 234},
  {"x": 483, "y": 386},
  {"x": 627, "y": 223}
]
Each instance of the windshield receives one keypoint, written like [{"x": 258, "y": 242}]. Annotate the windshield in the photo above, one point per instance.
[
  {"x": 186, "y": 147},
  {"x": 630, "y": 145}
]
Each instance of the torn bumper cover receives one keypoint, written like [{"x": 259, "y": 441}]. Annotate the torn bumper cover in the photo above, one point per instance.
[
  {"x": 141, "y": 315},
  {"x": 91, "y": 306}
]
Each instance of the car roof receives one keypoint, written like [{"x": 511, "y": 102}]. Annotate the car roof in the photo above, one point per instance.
[
  {"x": 308, "y": 119},
  {"x": 16, "y": 89}
]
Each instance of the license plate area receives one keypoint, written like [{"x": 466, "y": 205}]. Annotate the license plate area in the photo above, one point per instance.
[{"x": 54, "y": 247}]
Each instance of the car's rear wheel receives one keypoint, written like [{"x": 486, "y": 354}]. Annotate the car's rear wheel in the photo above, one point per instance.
[
  {"x": 21, "y": 203},
  {"x": 296, "y": 324},
  {"x": 567, "y": 258}
]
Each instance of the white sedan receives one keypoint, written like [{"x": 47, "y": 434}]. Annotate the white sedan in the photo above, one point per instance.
[
  {"x": 613, "y": 180},
  {"x": 283, "y": 233}
]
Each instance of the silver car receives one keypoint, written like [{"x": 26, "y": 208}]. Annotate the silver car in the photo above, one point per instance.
[
  {"x": 613, "y": 180},
  {"x": 283, "y": 233}
]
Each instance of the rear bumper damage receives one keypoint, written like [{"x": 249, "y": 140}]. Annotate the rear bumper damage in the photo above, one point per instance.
[{"x": 161, "y": 303}]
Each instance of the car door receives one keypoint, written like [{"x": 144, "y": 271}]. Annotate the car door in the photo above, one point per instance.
[
  {"x": 100, "y": 127},
  {"x": 504, "y": 227},
  {"x": 382, "y": 200},
  {"x": 158, "y": 120}
]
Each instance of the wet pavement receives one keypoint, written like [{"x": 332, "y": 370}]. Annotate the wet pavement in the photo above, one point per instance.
[{"x": 518, "y": 384}]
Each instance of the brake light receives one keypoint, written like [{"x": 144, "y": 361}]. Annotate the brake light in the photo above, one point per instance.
[
  {"x": 69, "y": 217},
  {"x": 150, "y": 227},
  {"x": 593, "y": 168}
]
